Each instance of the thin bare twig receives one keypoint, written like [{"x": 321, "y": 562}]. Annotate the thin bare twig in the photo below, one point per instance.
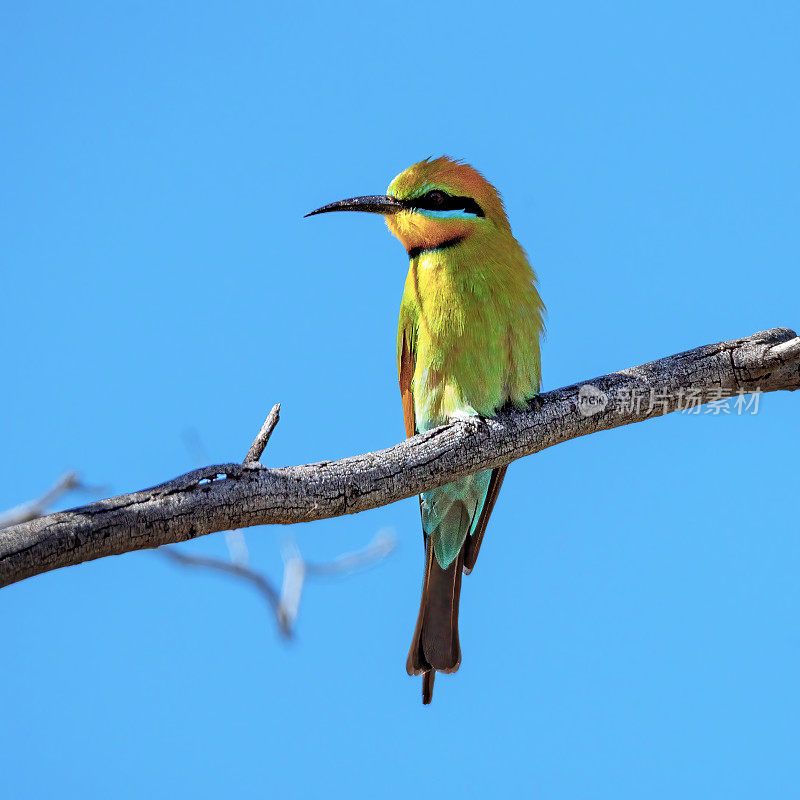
[
  {"x": 296, "y": 569},
  {"x": 285, "y": 604},
  {"x": 68, "y": 482},
  {"x": 381, "y": 545},
  {"x": 237, "y": 547},
  {"x": 220, "y": 565},
  {"x": 260, "y": 442}
]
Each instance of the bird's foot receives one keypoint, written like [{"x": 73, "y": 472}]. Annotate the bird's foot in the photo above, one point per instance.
[
  {"x": 535, "y": 403},
  {"x": 471, "y": 418}
]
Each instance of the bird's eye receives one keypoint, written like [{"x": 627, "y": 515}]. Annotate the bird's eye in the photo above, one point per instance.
[
  {"x": 435, "y": 198},
  {"x": 439, "y": 200}
]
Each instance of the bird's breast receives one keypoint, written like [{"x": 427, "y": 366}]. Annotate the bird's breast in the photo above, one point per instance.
[{"x": 465, "y": 345}]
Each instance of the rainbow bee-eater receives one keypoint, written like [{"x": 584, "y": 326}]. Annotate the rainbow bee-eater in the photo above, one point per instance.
[{"x": 468, "y": 344}]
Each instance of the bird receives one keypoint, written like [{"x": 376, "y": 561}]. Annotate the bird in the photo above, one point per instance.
[{"x": 468, "y": 344}]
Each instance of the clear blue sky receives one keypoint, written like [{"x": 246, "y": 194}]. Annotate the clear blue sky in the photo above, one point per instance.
[{"x": 633, "y": 627}]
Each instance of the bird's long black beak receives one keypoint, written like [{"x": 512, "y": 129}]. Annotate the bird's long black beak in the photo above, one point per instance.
[{"x": 374, "y": 203}]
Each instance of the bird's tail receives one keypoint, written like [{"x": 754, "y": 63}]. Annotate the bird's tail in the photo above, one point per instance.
[{"x": 435, "y": 645}]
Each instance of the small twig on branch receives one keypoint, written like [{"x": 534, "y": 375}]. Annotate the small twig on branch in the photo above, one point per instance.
[
  {"x": 285, "y": 604},
  {"x": 381, "y": 545},
  {"x": 294, "y": 576},
  {"x": 260, "y": 442},
  {"x": 296, "y": 570},
  {"x": 227, "y": 496},
  {"x": 237, "y": 547},
  {"x": 68, "y": 482},
  {"x": 239, "y": 570},
  {"x": 788, "y": 350}
]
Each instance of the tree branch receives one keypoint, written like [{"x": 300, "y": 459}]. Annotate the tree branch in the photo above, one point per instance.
[
  {"x": 261, "y": 582},
  {"x": 68, "y": 482},
  {"x": 285, "y": 603},
  {"x": 260, "y": 442},
  {"x": 226, "y": 496},
  {"x": 296, "y": 570}
]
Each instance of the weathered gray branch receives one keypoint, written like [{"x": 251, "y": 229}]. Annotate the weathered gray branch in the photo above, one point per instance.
[{"x": 226, "y": 496}]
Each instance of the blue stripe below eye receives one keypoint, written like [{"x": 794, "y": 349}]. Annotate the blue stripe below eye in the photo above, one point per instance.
[{"x": 457, "y": 213}]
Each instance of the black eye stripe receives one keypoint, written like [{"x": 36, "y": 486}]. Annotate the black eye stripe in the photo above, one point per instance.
[{"x": 438, "y": 200}]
